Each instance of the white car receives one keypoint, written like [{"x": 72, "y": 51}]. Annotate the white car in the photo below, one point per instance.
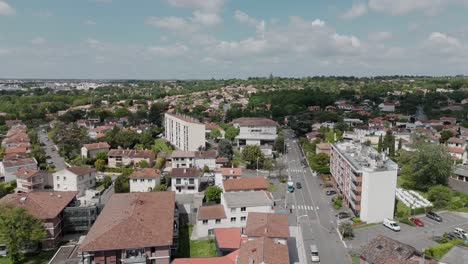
[
  {"x": 314, "y": 255},
  {"x": 460, "y": 231},
  {"x": 391, "y": 224}
]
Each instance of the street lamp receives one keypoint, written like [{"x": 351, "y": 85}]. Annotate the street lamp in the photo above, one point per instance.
[{"x": 257, "y": 165}]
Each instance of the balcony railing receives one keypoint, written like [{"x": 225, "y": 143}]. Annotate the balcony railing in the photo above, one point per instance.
[
  {"x": 31, "y": 183},
  {"x": 141, "y": 259}
]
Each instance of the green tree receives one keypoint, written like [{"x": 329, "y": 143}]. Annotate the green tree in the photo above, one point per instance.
[
  {"x": 160, "y": 188},
  {"x": 215, "y": 134},
  {"x": 160, "y": 163},
  {"x": 206, "y": 169},
  {"x": 107, "y": 181},
  {"x": 18, "y": 230},
  {"x": 445, "y": 135},
  {"x": 400, "y": 143},
  {"x": 122, "y": 184},
  {"x": 101, "y": 155},
  {"x": 279, "y": 143},
  {"x": 252, "y": 155},
  {"x": 155, "y": 114},
  {"x": 225, "y": 149},
  {"x": 440, "y": 196},
  {"x": 143, "y": 164},
  {"x": 380, "y": 144},
  {"x": 231, "y": 133},
  {"x": 346, "y": 230},
  {"x": 100, "y": 164},
  {"x": 213, "y": 193}
]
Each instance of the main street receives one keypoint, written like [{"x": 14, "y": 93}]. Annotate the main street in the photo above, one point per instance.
[{"x": 311, "y": 210}]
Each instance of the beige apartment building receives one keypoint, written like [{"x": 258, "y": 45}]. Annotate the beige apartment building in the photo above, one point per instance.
[{"x": 184, "y": 132}]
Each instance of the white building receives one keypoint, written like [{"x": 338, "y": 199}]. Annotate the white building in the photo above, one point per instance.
[
  {"x": 189, "y": 159},
  {"x": 185, "y": 180},
  {"x": 144, "y": 180},
  {"x": 8, "y": 168},
  {"x": 91, "y": 150},
  {"x": 183, "y": 132},
  {"x": 256, "y": 131},
  {"x": 75, "y": 179},
  {"x": 366, "y": 178},
  {"x": 387, "y": 107}
]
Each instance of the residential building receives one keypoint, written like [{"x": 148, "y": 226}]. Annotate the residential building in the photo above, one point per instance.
[
  {"x": 46, "y": 206},
  {"x": 28, "y": 180},
  {"x": 125, "y": 157},
  {"x": 144, "y": 180},
  {"x": 209, "y": 217},
  {"x": 185, "y": 180},
  {"x": 77, "y": 179},
  {"x": 99, "y": 132},
  {"x": 227, "y": 240},
  {"x": 263, "y": 250},
  {"x": 323, "y": 148},
  {"x": 461, "y": 173},
  {"x": 245, "y": 184},
  {"x": 458, "y": 153},
  {"x": 387, "y": 107},
  {"x": 198, "y": 159},
  {"x": 133, "y": 228},
  {"x": 184, "y": 132},
  {"x": 256, "y": 131},
  {"x": 222, "y": 174},
  {"x": 456, "y": 142},
  {"x": 228, "y": 259},
  {"x": 270, "y": 225},
  {"x": 90, "y": 150},
  {"x": 8, "y": 168},
  {"x": 366, "y": 178}
]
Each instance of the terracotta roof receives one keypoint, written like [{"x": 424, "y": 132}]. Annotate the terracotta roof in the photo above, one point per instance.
[
  {"x": 211, "y": 126},
  {"x": 185, "y": 172},
  {"x": 382, "y": 248},
  {"x": 183, "y": 154},
  {"x": 455, "y": 140},
  {"x": 263, "y": 250},
  {"x": 43, "y": 205},
  {"x": 254, "y": 183},
  {"x": 15, "y": 156},
  {"x": 146, "y": 173},
  {"x": 184, "y": 118},
  {"x": 228, "y": 259},
  {"x": 222, "y": 160},
  {"x": 447, "y": 118},
  {"x": 133, "y": 220},
  {"x": 456, "y": 150},
  {"x": 26, "y": 173},
  {"x": 211, "y": 212},
  {"x": 19, "y": 162},
  {"x": 228, "y": 238},
  {"x": 324, "y": 146},
  {"x": 267, "y": 225},
  {"x": 205, "y": 154},
  {"x": 254, "y": 121},
  {"x": 79, "y": 171},
  {"x": 15, "y": 150},
  {"x": 131, "y": 153},
  {"x": 94, "y": 146},
  {"x": 230, "y": 171}
]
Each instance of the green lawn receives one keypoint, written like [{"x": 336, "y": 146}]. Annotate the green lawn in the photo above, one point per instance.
[
  {"x": 193, "y": 248},
  {"x": 42, "y": 257}
]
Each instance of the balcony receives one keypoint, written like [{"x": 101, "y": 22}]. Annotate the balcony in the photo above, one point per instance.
[
  {"x": 356, "y": 195},
  {"x": 356, "y": 183},
  {"x": 135, "y": 260},
  {"x": 356, "y": 177},
  {"x": 31, "y": 183},
  {"x": 355, "y": 202}
]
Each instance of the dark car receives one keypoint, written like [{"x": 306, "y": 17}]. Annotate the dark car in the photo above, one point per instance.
[
  {"x": 48, "y": 157},
  {"x": 434, "y": 216},
  {"x": 298, "y": 185},
  {"x": 454, "y": 235},
  {"x": 342, "y": 215},
  {"x": 330, "y": 192}
]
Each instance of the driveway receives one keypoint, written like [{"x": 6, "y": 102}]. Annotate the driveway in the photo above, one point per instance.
[{"x": 51, "y": 150}]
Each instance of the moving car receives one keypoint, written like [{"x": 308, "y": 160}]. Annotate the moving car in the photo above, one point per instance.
[
  {"x": 391, "y": 224},
  {"x": 298, "y": 185},
  {"x": 434, "y": 216},
  {"x": 330, "y": 192},
  {"x": 417, "y": 221},
  {"x": 290, "y": 186},
  {"x": 314, "y": 255},
  {"x": 342, "y": 215}
]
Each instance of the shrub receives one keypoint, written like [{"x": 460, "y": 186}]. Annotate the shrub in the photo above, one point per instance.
[
  {"x": 336, "y": 206},
  {"x": 438, "y": 251},
  {"x": 356, "y": 220},
  {"x": 406, "y": 221}
]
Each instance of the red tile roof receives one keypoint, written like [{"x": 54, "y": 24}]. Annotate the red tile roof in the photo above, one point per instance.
[
  {"x": 26, "y": 173},
  {"x": 456, "y": 150},
  {"x": 228, "y": 259},
  {"x": 255, "y": 183},
  {"x": 19, "y": 162},
  {"x": 95, "y": 146},
  {"x": 211, "y": 126},
  {"x": 133, "y": 220},
  {"x": 228, "y": 238},
  {"x": 145, "y": 173},
  {"x": 267, "y": 225},
  {"x": 231, "y": 171},
  {"x": 149, "y": 154},
  {"x": 185, "y": 172},
  {"x": 455, "y": 140},
  {"x": 263, "y": 250},
  {"x": 15, "y": 150},
  {"x": 254, "y": 121},
  {"x": 324, "y": 146},
  {"x": 211, "y": 212}
]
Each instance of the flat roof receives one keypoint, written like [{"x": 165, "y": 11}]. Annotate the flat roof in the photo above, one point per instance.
[{"x": 247, "y": 199}]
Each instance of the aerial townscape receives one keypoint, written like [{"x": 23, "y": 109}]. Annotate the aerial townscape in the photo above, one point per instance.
[{"x": 233, "y": 132}]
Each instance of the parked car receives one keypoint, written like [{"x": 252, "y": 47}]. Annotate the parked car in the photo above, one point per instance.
[
  {"x": 48, "y": 157},
  {"x": 298, "y": 185},
  {"x": 391, "y": 224},
  {"x": 417, "y": 221},
  {"x": 342, "y": 215},
  {"x": 455, "y": 235},
  {"x": 460, "y": 231},
  {"x": 330, "y": 192},
  {"x": 314, "y": 255},
  {"x": 434, "y": 216}
]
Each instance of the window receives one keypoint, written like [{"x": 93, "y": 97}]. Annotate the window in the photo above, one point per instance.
[
  {"x": 64, "y": 178},
  {"x": 142, "y": 180},
  {"x": 233, "y": 210},
  {"x": 191, "y": 188},
  {"x": 218, "y": 221},
  {"x": 243, "y": 218},
  {"x": 205, "y": 222},
  {"x": 177, "y": 181},
  {"x": 58, "y": 178},
  {"x": 58, "y": 185},
  {"x": 210, "y": 232},
  {"x": 150, "y": 181},
  {"x": 243, "y": 209},
  {"x": 191, "y": 181},
  {"x": 233, "y": 219},
  {"x": 135, "y": 180}
]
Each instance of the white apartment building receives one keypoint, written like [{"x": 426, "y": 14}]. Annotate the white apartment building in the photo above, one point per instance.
[
  {"x": 189, "y": 159},
  {"x": 75, "y": 179},
  {"x": 144, "y": 180},
  {"x": 367, "y": 179},
  {"x": 184, "y": 132},
  {"x": 28, "y": 180},
  {"x": 185, "y": 180},
  {"x": 256, "y": 131},
  {"x": 387, "y": 107}
]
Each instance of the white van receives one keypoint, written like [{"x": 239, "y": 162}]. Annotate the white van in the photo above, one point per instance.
[
  {"x": 314, "y": 255},
  {"x": 391, "y": 224}
]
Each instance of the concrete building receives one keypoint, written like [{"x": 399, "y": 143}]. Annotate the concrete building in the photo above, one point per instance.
[
  {"x": 184, "y": 132},
  {"x": 366, "y": 178},
  {"x": 323, "y": 148},
  {"x": 189, "y": 159},
  {"x": 8, "y": 168},
  {"x": 387, "y": 107},
  {"x": 256, "y": 131},
  {"x": 90, "y": 150},
  {"x": 144, "y": 180},
  {"x": 125, "y": 157},
  {"x": 28, "y": 180},
  {"x": 185, "y": 180},
  {"x": 133, "y": 228},
  {"x": 77, "y": 179}
]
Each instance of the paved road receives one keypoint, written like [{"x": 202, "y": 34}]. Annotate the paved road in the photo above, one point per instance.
[
  {"x": 312, "y": 210},
  {"x": 50, "y": 150}
]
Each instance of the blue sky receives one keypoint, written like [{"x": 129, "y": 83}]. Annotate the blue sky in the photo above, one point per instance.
[{"x": 159, "y": 39}]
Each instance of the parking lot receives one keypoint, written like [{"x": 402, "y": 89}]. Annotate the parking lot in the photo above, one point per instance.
[{"x": 418, "y": 237}]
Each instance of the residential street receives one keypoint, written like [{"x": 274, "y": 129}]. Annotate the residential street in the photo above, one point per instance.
[
  {"x": 51, "y": 151},
  {"x": 311, "y": 210}
]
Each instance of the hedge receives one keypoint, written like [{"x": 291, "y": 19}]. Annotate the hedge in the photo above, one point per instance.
[{"x": 438, "y": 251}]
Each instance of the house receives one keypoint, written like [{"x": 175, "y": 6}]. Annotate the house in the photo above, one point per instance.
[
  {"x": 144, "y": 180},
  {"x": 245, "y": 184},
  {"x": 184, "y": 132},
  {"x": 227, "y": 240},
  {"x": 185, "y": 180},
  {"x": 125, "y": 157},
  {"x": 77, "y": 179},
  {"x": 312, "y": 136},
  {"x": 212, "y": 126},
  {"x": 449, "y": 120},
  {"x": 456, "y": 142},
  {"x": 228, "y": 259},
  {"x": 209, "y": 217},
  {"x": 28, "y": 180},
  {"x": 198, "y": 159},
  {"x": 314, "y": 108},
  {"x": 457, "y": 153},
  {"x": 8, "y": 168},
  {"x": 256, "y": 131},
  {"x": 133, "y": 228},
  {"x": 222, "y": 174},
  {"x": 270, "y": 225},
  {"x": 99, "y": 132},
  {"x": 90, "y": 150},
  {"x": 323, "y": 148},
  {"x": 46, "y": 206},
  {"x": 263, "y": 250},
  {"x": 461, "y": 173},
  {"x": 387, "y": 107}
]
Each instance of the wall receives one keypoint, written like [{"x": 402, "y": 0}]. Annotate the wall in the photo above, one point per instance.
[
  {"x": 184, "y": 188},
  {"x": 143, "y": 184},
  {"x": 378, "y": 195}
]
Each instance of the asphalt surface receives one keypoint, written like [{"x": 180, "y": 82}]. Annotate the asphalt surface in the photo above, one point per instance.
[
  {"x": 311, "y": 210},
  {"x": 51, "y": 150}
]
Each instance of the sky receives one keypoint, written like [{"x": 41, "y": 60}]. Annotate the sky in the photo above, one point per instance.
[{"x": 203, "y": 39}]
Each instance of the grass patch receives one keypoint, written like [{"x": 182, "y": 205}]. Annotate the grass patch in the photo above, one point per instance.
[
  {"x": 366, "y": 225},
  {"x": 193, "y": 248},
  {"x": 272, "y": 187},
  {"x": 41, "y": 257}
]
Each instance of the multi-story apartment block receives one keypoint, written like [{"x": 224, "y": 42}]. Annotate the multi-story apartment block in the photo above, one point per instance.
[
  {"x": 28, "y": 180},
  {"x": 366, "y": 179},
  {"x": 189, "y": 159},
  {"x": 185, "y": 180},
  {"x": 75, "y": 179},
  {"x": 256, "y": 131},
  {"x": 125, "y": 157},
  {"x": 184, "y": 132}
]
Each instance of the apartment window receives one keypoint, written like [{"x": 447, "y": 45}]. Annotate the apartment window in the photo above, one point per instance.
[
  {"x": 191, "y": 188},
  {"x": 233, "y": 219},
  {"x": 58, "y": 178},
  {"x": 205, "y": 222},
  {"x": 177, "y": 181},
  {"x": 64, "y": 178},
  {"x": 91, "y": 182},
  {"x": 150, "y": 181},
  {"x": 243, "y": 218},
  {"x": 243, "y": 209},
  {"x": 233, "y": 210},
  {"x": 142, "y": 180},
  {"x": 210, "y": 232},
  {"x": 191, "y": 181},
  {"x": 218, "y": 221},
  {"x": 135, "y": 180},
  {"x": 58, "y": 185}
]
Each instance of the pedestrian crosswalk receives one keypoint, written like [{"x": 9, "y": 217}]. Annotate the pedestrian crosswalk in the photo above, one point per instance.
[
  {"x": 296, "y": 170},
  {"x": 303, "y": 207}
]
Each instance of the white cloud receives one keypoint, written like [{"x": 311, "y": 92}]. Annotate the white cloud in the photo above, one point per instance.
[
  {"x": 357, "y": 10},
  {"x": 38, "y": 41},
  {"x": 204, "y": 5},
  {"x": 443, "y": 39},
  {"x": 96, "y": 44},
  {"x": 206, "y": 19},
  {"x": 172, "y": 23},
  {"x": 6, "y": 9},
  {"x": 246, "y": 47},
  {"x": 380, "y": 36},
  {"x": 318, "y": 23},
  {"x": 89, "y": 22},
  {"x": 168, "y": 51},
  {"x": 346, "y": 42},
  {"x": 401, "y": 7},
  {"x": 244, "y": 18}
]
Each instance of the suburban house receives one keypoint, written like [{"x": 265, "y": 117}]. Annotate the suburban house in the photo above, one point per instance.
[
  {"x": 323, "y": 148},
  {"x": 256, "y": 131},
  {"x": 99, "y": 132},
  {"x": 457, "y": 153},
  {"x": 133, "y": 228},
  {"x": 126, "y": 157},
  {"x": 8, "y": 168},
  {"x": 245, "y": 184},
  {"x": 198, "y": 159},
  {"x": 227, "y": 240},
  {"x": 208, "y": 217},
  {"x": 387, "y": 107},
  {"x": 28, "y": 180},
  {"x": 77, "y": 179},
  {"x": 185, "y": 180},
  {"x": 144, "y": 180},
  {"x": 47, "y": 206},
  {"x": 90, "y": 150},
  {"x": 222, "y": 174},
  {"x": 271, "y": 225},
  {"x": 184, "y": 132},
  {"x": 456, "y": 142},
  {"x": 263, "y": 250}
]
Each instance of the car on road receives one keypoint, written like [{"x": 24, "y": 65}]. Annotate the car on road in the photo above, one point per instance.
[
  {"x": 391, "y": 224},
  {"x": 343, "y": 215},
  {"x": 49, "y": 161},
  {"x": 433, "y": 216},
  {"x": 290, "y": 186},
  {"x": 48, "y": 157},
  {"x": 330, "y": 192},
  {"x": 314, "y": 255},
  {"x": 298, "y": 185},
  {"x": 417, "y": 221}
]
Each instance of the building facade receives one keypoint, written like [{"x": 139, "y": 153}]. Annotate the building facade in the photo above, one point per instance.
[
  {"x": 8, "y": 168},
  {"x": 183, "y": 132},
  {"x": 189, "y": 159},
  {"x": 91, "y": 150},
  {"x": 28, "y": 180},
  {"x": 256, "y": 131},
  {"x": 126, "y": 157},
  {"x": 185, "y": 180},
  {"x": 77, "y": 179},
  {"x": 144, "y": 180}
]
